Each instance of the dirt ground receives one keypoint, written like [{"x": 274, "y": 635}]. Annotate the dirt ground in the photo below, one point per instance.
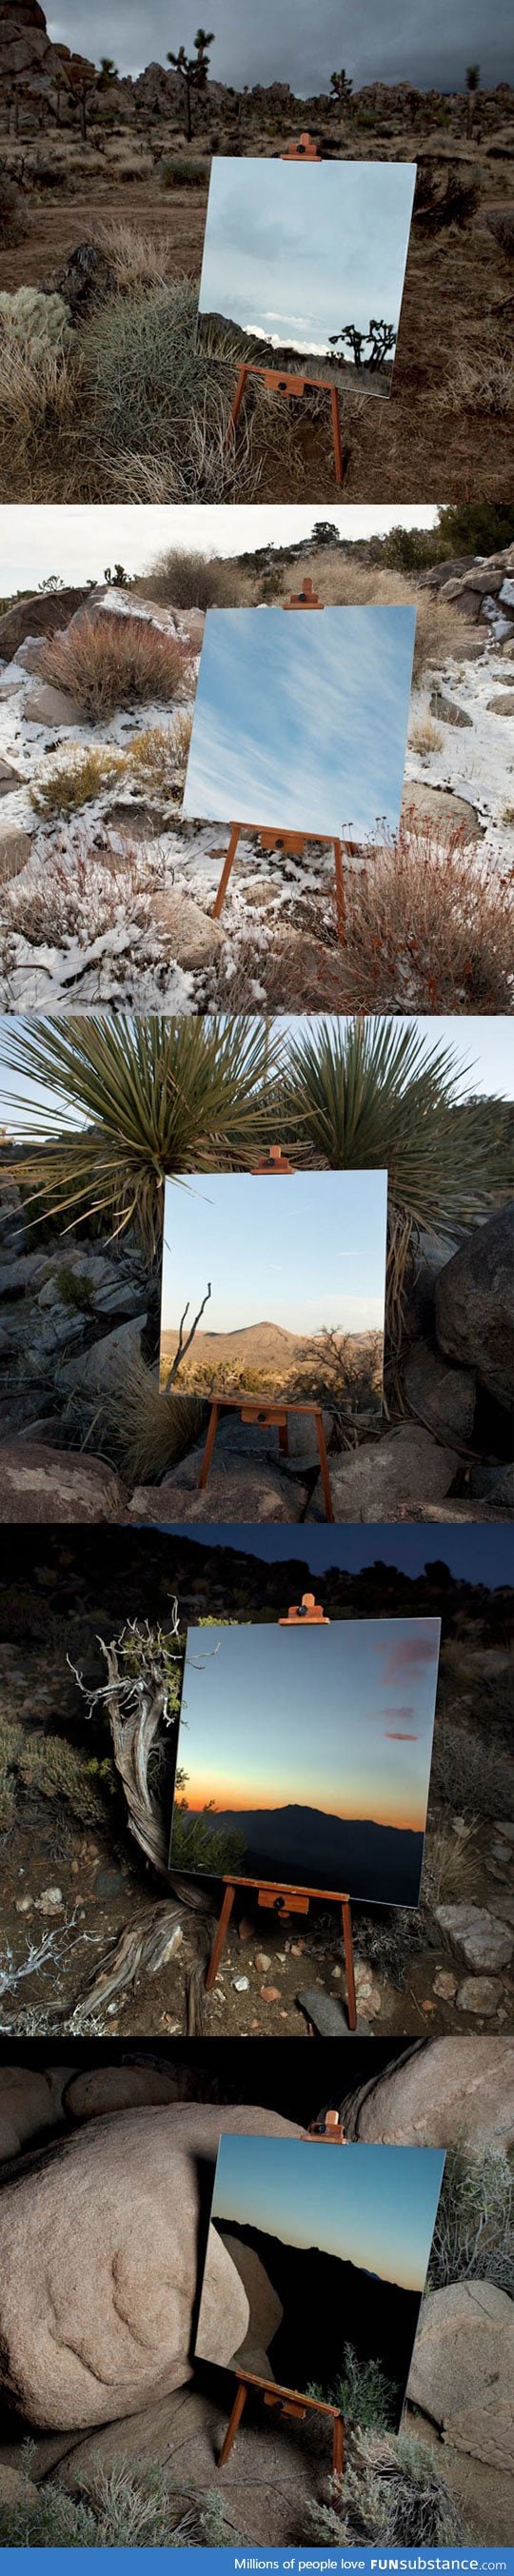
[{"x": 445, "y": 431}]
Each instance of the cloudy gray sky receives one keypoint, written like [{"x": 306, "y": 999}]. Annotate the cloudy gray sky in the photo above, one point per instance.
[
  {"x": 76, "y": 543},
  {"x": 299, "y": 44},
  {"x": 296, "y": 253}
]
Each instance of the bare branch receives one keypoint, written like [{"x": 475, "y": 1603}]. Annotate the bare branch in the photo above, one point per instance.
[{"x": 183, "y": 1347}]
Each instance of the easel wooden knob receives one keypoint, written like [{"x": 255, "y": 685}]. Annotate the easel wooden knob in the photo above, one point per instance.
[
  {"x": 303, "y": 150},
  {"x": 310, "y": 1614}
]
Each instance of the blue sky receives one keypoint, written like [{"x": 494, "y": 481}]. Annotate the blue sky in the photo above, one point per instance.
[
  {"x": 477, "y": 1555},
  {"x": 374, "y": 2206},
  {"x": 294, "y": 250},
  {"x": 372, "y": 1683},
  {"x": 303, "y": 1252},
  {"x": 300, "y": 720}
]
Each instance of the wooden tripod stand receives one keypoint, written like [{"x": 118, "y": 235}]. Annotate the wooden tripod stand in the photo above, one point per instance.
[
  {"x": 276, "y": 1416},
  {"x": 277, "y": 1895},
  {"x": 286, "y": 2401},
  {"x": 280, "y": 382},
  {"x": 292, "y": 843}
]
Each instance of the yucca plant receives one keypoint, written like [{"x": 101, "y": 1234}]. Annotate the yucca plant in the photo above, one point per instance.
[
  {"x": 370, "y": 1094},
  {"x": 130, "y": 1100}
]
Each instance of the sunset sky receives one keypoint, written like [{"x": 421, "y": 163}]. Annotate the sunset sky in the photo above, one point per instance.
[
  {"x": 293, "y": 250},
  {"x": 301, "y": 721},
  {"x": 338, "y": 1718},
  {"x": 304, "y": 1251},
  {"x": 373, "y": 2206}
]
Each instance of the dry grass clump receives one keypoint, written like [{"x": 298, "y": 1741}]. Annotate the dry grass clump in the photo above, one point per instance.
[
  {"x": 449, "y": 1864},
  {"x": 137, "y": 258},
  {"x": 76, "y": 780},
  {"x": 440, "y": 631},
  {"x": 150, "y": 1428},
  {"x": 463, "y": 1775},
  {"x": 424, "y": 737},
  {"x": 500, "y": 222},
  {"x": 158, "y": 756},
  {"x": 39, "y": 393},
  {"x": 483, "y": 383},
  {"x": 184, "y": 577},
  {"x": 107, "y": 662}
]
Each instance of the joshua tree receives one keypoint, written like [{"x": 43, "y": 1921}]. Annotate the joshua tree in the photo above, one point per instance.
[
  {"x": 193, "y": 69},
  {"x": 325, "y": 533},
  {"x": 342, "y": 88},
  {"x": 108, "y": 72},
  {"x": 472, "y": 86},
  {"x": 382, "y": 337},
  {"x": 356, "y": 339}
]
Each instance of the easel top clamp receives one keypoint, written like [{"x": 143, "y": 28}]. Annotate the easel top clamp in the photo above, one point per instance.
[
  {"x": 292, "y": 843},
  {"x": 279, "y": 1896},
  {"x": 287, "y": 384},
  {"x": 250, "y": 1408},
  {"x": 289, "y": 2402}
]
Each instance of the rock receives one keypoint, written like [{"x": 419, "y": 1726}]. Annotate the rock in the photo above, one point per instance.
[
  {"x": 39, "y": 1484},
  {"x": 15, "y": 849},
  {"x": 100, "y": 1369},
  {"x": 474, "y": 1305},
  {"x": 502, "y": 706},
  {"x": 445, "y": 1985},
  {"x": 446, "y": 710},
  {"x": 444, "y": 2090},
  {"x": 30, "y": 2101},
  {"x": 241, "y": 1985},
  {"x": 489, "y": 1477},
  {"x": 324, "y": 2012},
  {"x": 265, "y": 2310},
  {"x": 48, "y": 706},
  {"x": 232, "y": 1437},
  {"x": 91, "y": 2095},
  {"x": 270, "y": 1994},
  {"x": 443, "y": 1396},
  {"x": 29, "y": 655},
  {"x": 99, "y": 2261},
  {"x": 46, "y": 614},
  {"x": 260, "y": 2492},
  {"x": 419, "y": 798},
  {"x": 239, "y": 1492},
  {"x": 86, "y": 279},
  {"x": 479, "y": 1995},
  {"x": 9, "y": 778},
  {"x": 475, "y": 1936},
  {"x": 51, "y": 1901},
  {"x": 262, "y": 1961},
  {"x": 191, "y": 936},
  {"x": 225, "y": 2308},
  {"x": 462, "y": 2371},
  {"x": 407, "y": 1466},
  {"x": 18, "y": 1276}
]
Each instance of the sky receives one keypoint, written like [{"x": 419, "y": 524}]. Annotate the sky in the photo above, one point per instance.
[
  {"x": 247, "y": 1737},
  {"x": 373, "y": 2206},
  {"x": 294, "y": 250},
  {"x": 475, "y": 1555},
  {"x": 304, "y": 1251},
  {"x": 301, "y": 722},
  {"x": 295, "y": 43},
  {"x": 77, "y": 542}
]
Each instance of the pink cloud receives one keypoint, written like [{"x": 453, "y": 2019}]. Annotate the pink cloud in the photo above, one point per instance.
[
  {"x": 392, "y": 1736},
  {"x": 409, "y": 1655}
]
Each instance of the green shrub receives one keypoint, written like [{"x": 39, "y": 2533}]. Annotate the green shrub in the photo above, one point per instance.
[
  {"x": 474, "y": 2229},
  {"x": 174, "y": 173},
  {"x": 363, "y": 2392},
  {"x": 126, "y": 2510},
  {"x": 47, "y": 1766},
  {"x": 146, "y": 366},
  {"x": 394, "y": 2492}
]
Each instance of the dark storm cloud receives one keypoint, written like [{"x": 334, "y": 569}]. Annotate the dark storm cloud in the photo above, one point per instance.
[{"x": 297, "y": 44}]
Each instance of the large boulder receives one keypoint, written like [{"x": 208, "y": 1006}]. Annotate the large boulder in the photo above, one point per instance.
[
  {"x": 462, "y": 2372},
  {"x": 30, "y": 2101},
  {"x": 44, "y": 614},
  {"x": 264, "y": 2488},
  {"x": 443, "y": 2090},
  {"x": 407, "y": 1466},
  {"x": 99, "y": 2262},
  {"x": 117, "y": 2088},
  {"x": 265, "y": 2311},
  {"x": 475, "y": 1937},
  {"x": 238, "y": 1490},
  {"x": 99, "y": 1370},
  {"x": 475, "y": 1305},
  {"x": 39, "y": 1484},
  {"x": 225, "y": 2309},
  {"x": 443, "y": 1397}
]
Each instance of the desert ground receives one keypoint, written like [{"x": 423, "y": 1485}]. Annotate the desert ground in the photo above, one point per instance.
[
  {"x": 113, "y": 225},
  {"x": 108, "y": 896},
  {"x": 265, "y": 1360}
]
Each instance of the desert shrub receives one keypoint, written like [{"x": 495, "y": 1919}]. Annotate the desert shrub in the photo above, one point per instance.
[
  {"x": 500, "y": 222},
  {"x": 440, "y": 631},
  {"x": 136, "y": 258},
  {"x": 444, "y": 196},
  {"x": 125, "y": 2510},
  {"x": 47, "y": 1766},
  {"x": 177, "y": 173},
  {"x": 84, "y": 891},
  {"x": 479, "y": 383},
  {"x": 388, "y": 1940},
  {"x": 162, "y": 407},
  {"x": 196, "y": 1847},
  {"x": 39, "y": 391},
  {"x": 394, "y": 2492},
  {"x": 14, "y": 223},
  {"x": 186, "y": 578},
  {"x": 150, "y": 1429},
  {"x": 158, "y": 756},
  {"x": 463, "y": 1779},
  {"x": 362, "y": 2391},
  {"x": 77, "y": 779},
  {"x": 474, "y": 2229},
  {"x": 108, "y": 662},
  {"x": 449, "y": 1864},
  {"x": 425, "y": 737},
  {"x": 428, "y": 925},
  {"x": 39, "y": 322}
]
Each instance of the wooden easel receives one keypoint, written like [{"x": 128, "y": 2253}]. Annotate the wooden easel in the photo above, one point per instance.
[
  {"x": 291, "y": 385},
  {"x": 277, "y": 1895},
  {"x": 292, "y": 843},
  {"x": 285, "y": 2401},
  {"x": 276, "y": 1415}
]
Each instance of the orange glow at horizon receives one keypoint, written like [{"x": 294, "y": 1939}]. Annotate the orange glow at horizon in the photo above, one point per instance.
[{"x": 245, "y": 1796}]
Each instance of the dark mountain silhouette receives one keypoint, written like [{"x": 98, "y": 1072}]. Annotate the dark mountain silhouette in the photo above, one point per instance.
[
  {"x": 247, "y": 347},
  {"x": 311, "y": 1849},
  {"x": 327, "y": 2304}
]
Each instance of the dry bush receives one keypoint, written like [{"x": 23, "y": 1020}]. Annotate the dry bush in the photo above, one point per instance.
[
  {"x": 159, "y": 756},
  {"x": 424, "y": 737},
  {"x": 84, "y": 892},
  {"x": 444, "y": 196},
  {"x": 107, "y": 662},
  {"x": 500, "y": 222},
  {"x": 39, "y": 394},
  {"x": 137, "y": 258},
  {"x": 150, "y": 1428},
  {"x": 449, "y": 1864},
  {"x": 76, "y": 780},
  {"x": 186, "y": 578},
  {"x": 483, "y": 383},
  {"x": 440, "y": 631},
  {"x": 466, "y": 1774},
  {"x": 429, "y": 926}
]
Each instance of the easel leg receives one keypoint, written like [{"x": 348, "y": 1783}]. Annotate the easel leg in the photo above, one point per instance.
[
  {"x": 219, "y": 1937},
  {"x": 323, "y": 1460},
  {"x": 338, "y": 2447},
  {"x": 283, "y": 1439},
  {"x": 336, "y": 433},
  {"x": 209, "y": 1445},
  {"x": 226, "y": 871},
  {"x": 348, "y": 1958},
  {"x": 236, "y": 406},
  {"x": 235, "y": 2419},
  {"x": 340, "y": 891}
]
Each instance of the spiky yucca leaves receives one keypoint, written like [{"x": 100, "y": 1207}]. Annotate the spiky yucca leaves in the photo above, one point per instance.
[{"x": 130, "y": 1100}]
